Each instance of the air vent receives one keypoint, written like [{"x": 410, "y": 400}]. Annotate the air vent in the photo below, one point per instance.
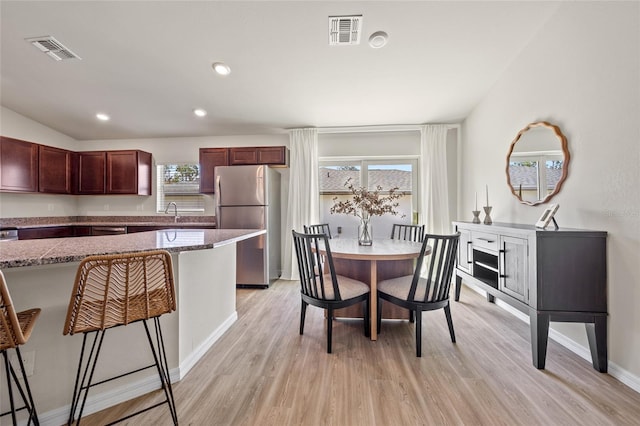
[
  {"x": 344, "y": 30},
  {"x": 53, "y": 48}
]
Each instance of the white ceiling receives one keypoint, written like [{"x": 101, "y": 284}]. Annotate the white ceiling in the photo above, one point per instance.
[{"x": 148, "y": 64}]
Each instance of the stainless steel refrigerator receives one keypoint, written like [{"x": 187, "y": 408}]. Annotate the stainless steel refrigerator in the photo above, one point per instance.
[{"x": 248, "y": 197}]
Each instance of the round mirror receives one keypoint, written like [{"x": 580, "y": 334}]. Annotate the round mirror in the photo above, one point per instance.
[{"x": 537, "y": 163}]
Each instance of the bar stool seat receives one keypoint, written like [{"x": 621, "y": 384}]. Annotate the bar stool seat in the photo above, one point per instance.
[
  {"x": 118, "y": 290},
  {"x": 15, "y": 330}
]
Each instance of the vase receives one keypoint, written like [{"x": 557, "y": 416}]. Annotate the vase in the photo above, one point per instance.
[{"x": 365, "y": 232}]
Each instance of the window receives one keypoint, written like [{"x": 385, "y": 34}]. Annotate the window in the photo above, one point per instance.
[
  {"x": 333, "y": 174},
  {"x": 179, "y": 183}
]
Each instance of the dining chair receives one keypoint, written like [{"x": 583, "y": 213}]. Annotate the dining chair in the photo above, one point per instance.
[
  {"x": 119, "y": 290},
  {"x": 325, "y": 290},
  {"x": 401, "y": 231},
  {"x": 428, "y": 290},
  {"x": 321, "y": 228},
  {"x": 15, "y": 330}
]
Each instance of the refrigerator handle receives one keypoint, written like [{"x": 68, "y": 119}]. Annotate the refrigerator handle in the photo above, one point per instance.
[{"x": 218, "y": 189}]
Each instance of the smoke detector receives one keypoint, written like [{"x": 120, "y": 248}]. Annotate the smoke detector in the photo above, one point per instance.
[
  {"x": 345, "y": 30},
  {"x": 53, "y": 48}
]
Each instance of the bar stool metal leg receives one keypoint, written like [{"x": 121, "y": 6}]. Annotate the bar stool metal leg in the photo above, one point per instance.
[{"x": 25, "y": 394}]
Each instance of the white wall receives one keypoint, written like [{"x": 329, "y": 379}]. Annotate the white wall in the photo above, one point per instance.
[{"x": 582, "y": 73}]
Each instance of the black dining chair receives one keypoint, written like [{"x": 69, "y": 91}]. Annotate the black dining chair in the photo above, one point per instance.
[
  {"x": 428, "y": 290},
  {"x": 321, "y": 228},
  {"x": 407, "y": 232},
  {"x": 325, "y": 290}
]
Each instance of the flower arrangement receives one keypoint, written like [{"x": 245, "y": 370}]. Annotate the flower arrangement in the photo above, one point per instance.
[{"x": 366, "y": 203}]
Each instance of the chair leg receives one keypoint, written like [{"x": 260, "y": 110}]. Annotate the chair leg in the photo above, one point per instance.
[
  {"x": 28, "y": 398},
  {"x": 418, "y": 333},
  {"x": 8, "y": 369},
  {"x": 160, "y": 359},
  {"x": 447, "y": 313},
  {"x": 379, "y": 315},
  {"x": 86, "y": 372},
  {"x": 303, "y": 314},
  {"x": 329, "y": 329},
  {"x": 367, "y": 320},
  {"x": 411, "y": 316}
]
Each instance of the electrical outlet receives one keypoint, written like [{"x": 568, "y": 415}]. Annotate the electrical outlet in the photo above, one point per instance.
[
  {"x": 106, "y": 207},
  {"x": 50, "y": 207},
  {"x": 28, "y": 359}
]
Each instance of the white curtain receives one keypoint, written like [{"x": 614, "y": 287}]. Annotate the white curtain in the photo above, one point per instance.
[
  {"x": 304, "y": 203},
  {"x": 433, "y": 179}
]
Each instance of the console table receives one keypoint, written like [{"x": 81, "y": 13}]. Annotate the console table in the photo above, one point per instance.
[{"x": 551, "y": 275}]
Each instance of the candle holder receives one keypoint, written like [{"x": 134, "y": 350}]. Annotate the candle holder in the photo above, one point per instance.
[
  {"x": 487, "y": 215},
  {"x": 476, "y": 216}
]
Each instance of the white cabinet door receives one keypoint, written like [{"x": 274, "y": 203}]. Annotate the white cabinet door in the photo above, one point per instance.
[
  {"x": 465, "y": 260},
  {"x": 513, "y": 261}
]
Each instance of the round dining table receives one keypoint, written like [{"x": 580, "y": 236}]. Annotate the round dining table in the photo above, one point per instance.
[{"x": 384, "y": 259}]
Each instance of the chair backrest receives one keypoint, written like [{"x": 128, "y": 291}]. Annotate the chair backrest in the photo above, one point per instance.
[
  {"x": 433, "y": 283},
  {"x": 10, "y": 332},
  {"x": 321, "y": 228},
  {"x": 310, "y": 266},
  {"x": 119, "y": 289},
  {"x": 407, "y": 232}
]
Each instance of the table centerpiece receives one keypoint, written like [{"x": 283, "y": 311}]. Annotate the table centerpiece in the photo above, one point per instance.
[{"x": 366, "y": 203}]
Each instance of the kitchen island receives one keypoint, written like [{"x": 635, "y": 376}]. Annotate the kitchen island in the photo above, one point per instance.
[{"x": 40, "y": 273}]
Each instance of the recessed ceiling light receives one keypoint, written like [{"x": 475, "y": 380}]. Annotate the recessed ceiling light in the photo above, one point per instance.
[
  {"x": 199, "y": 112},
  {"x": 102, "y": 116},
  {"x": 221, "y": 68},
  {"x": 378, "y": 39}
]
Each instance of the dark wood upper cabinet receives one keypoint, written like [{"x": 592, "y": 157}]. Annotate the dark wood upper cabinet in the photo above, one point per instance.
[
  {"x": 210, "y": 158},
  {"x": 128, "y": 172},
  {"x": 18, "y": 165},
  {"x": 270, "y": 155},
  {"x": 91, "y": 172},
  {"x": 56, "y": 170}
]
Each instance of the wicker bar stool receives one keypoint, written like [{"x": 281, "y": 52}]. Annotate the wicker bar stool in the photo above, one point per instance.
[
  {"x": 15, "y": 330},
  {"x": 117, "y": 290}
]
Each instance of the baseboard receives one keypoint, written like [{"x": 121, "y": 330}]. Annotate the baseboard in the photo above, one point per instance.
[
  {"x": 583, "y": 352},
  {"x": 100, "y": 401},
  {"x": 194, "y": 357}
]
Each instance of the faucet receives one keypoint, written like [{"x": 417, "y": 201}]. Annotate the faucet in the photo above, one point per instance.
[{"x": 175, "y": 211}]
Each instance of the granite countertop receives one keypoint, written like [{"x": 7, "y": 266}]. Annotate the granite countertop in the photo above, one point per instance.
[{"x": 14, "y": 254}]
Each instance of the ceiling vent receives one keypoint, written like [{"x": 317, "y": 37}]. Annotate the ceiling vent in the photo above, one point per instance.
[
  {"x": 53, "y": 48},
  {"x": 345, "y": 30}
]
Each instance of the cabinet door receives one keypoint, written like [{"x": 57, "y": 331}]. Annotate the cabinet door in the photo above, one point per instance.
[
  {"x": 243, "y": 156},
  {"x": 272, "y": 155},
  {"x": 55, "y": 166},
  {"x": 513, "y": 261},
  {"x": 45, "y": 232},
  {"x": 210, "y": 158},
  {"x": 91, "y": 172},
  {"x": 128, "y": 172},
  {"x": 18, "y": 165},
  {"x": 464, "y": 260},
  {"x": 122, "y": 172}
]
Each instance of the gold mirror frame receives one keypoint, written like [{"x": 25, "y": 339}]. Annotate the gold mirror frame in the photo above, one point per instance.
[{"x": 565, "y": 164}]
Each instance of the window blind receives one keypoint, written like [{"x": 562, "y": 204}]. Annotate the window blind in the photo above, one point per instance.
[{"x": 179, "y": 183}]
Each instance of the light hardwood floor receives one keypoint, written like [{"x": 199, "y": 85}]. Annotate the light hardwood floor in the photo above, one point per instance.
[{"x": 262, "y": 372}]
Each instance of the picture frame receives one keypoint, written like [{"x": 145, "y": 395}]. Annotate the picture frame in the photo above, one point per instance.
[{"x": 547, "y": 216}]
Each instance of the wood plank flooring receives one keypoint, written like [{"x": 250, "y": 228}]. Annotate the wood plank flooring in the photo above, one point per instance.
[{"x": 262, "y": 372}]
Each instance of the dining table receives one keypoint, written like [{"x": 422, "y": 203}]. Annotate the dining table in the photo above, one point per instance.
[{"x": 384, "y": 259}]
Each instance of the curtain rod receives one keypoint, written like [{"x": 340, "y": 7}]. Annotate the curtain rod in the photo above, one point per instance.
[{"x": 381, "y": 128}]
